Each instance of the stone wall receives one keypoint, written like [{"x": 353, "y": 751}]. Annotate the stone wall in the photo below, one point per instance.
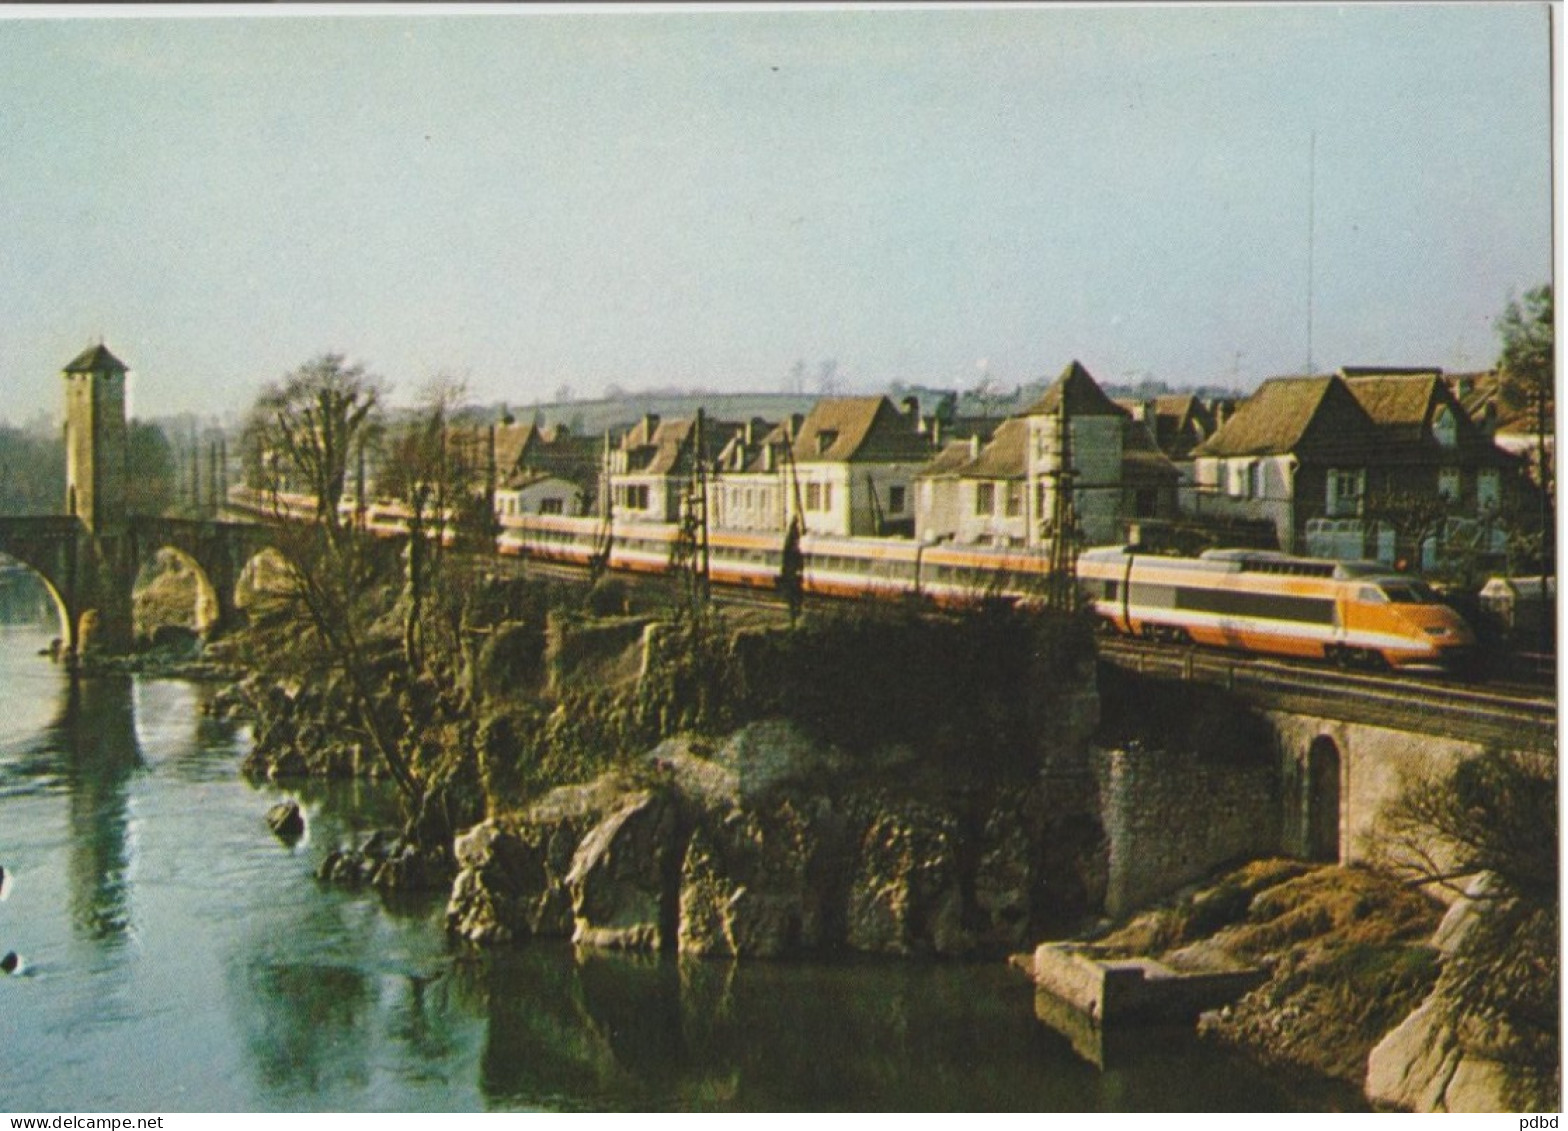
[
  {"x": 1373, "y": 764},
  {"x": 1171, "y": 819}
]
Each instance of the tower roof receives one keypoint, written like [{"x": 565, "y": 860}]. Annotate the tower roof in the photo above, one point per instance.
[
  {"x": 1083, "y": 395},
  {"x": 95, "y": 359}
]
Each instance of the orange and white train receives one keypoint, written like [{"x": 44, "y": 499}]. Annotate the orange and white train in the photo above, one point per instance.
[
  {"x": 1352, "y": 612},
  {"x": 1349, "y": 612}
]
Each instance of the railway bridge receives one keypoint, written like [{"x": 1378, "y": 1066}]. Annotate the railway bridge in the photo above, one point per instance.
[
  {"x": 89, "y": 557},
  {"x": 1344, "y": 746}
]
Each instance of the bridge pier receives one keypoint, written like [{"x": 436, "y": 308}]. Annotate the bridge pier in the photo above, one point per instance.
[{"x": 104, "y": 620}]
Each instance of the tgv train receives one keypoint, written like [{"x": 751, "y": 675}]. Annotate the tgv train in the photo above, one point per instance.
[
  {"x": 1349, "y": 612},
  {"x": 1353, "y": 613},
  {"x": 1359, "y": 613},
  {"x": 838, "y": 567}
]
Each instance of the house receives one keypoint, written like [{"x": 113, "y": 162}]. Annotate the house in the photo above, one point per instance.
[
  {"x": 540, "y": 493},
  {"x": 1179, "y": 422},
  {"x": 1336, "y": 463},
  {"x": 527, "y": 456},
  {"x": 654, "y": 467},
  {"x": 853, "y": 463},
  {"x": 1003, "y": 492},
  {"x": 847, "y": 467},
  {"x": 1522, "y": 429},
  {"x": 751, "y": 478}
]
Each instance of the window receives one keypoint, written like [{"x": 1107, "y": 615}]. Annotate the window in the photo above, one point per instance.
[
  {"x": 895, "y": 500},
  {"x": 1409, "y": 593},
  {"x": 1488, "y": 489},
  {"x": 552, "y": 506},
  {"x": 1014, "y": 505},
  {"x": 1448, "y": 483},
  {"x": 1444, "y": 428},
  {"x": 813, "y": 496},
  {"x": 1344, "y": 491},
  {"x": 637, "y": 497},
  {"x": 827, "y": 496},
  {"x": 985, "y": 498},
  {"x": 1242, "y": 479}
]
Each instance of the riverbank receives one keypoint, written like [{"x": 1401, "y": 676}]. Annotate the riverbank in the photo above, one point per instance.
[
  {"x": 179, "y": 957},
  {"x": 1357, "y": 973},
  {"x": 881, "y": 781}
]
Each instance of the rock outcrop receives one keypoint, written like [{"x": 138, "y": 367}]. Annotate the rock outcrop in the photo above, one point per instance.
[
  {"x": 622, "y": 875},
  {"x": 905, "y": 893},
  {"x": 286, "y": 821},
  {"x": 764, "y": 844},
  {"x": 1439, "y": 1058},
  {"x": 752, "y": 881}
]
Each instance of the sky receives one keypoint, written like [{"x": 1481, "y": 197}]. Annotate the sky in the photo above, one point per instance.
[{"x": 528, "y": 200}]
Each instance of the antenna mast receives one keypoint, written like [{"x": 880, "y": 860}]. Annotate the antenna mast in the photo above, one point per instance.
[{"x": 1312, "y": 192}]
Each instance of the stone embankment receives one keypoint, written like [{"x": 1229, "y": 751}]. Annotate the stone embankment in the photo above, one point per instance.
[
  {"x": 770, "y": 843},
  {"x": 1357, "y": 984}
]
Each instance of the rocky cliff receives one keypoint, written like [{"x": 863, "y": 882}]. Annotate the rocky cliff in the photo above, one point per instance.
[{"x": 770, "y": 843}]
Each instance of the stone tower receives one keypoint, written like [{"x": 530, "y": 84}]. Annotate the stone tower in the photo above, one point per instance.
[{"x": 95, "y": 440}]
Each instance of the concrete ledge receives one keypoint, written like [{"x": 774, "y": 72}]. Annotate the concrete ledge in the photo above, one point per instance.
[{"x": 1107, "y": 989}]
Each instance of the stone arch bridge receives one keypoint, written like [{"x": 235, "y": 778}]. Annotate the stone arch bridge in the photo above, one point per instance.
[{"x": 91, "y": 575}]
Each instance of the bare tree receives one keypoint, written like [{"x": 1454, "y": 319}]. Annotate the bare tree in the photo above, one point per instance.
[
  {"x": 1413, "y": 517},
  {"x": 309, "y": 429},
  {"x": 443, "y": 477}
]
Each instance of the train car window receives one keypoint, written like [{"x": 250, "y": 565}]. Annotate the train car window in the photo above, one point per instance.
[
  {"x": 1110, "y": 590},
  {"x": 1372, "y": 595},
  {"x": 1267, "y": 606},
  {"x": 1160, "y": 596},
  {"x": 1410, "y": 593}
]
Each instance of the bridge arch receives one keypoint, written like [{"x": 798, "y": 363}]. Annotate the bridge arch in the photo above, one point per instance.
[
  {"x": 207, "y": 601},
  {"x": 1321, "y": 795},
  {"x": 63, "y": 611},
  {"x": 264, "y": 570}
]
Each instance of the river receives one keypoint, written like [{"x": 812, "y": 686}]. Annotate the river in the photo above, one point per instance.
[{"x": 177, "y": 957}]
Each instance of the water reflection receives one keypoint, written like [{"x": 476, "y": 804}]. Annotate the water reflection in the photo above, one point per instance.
[
  {"x": 306, "y": 1027},
  {"x": 95, "y": 736},
  {"x": 250, "y": 987}
]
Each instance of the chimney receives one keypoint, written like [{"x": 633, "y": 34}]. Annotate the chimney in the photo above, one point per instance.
[
  {"x": 767, "y": 457},
  {"x": 911, "y": 406},
  {"x": 796, "y": 419},
  {"x": 650, "y": 423},
  {"x": 974, "y": 446},
  {"x": 936, "y": 432}
]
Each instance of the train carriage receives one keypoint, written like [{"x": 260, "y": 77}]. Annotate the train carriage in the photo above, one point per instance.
[
  {"x": 1246, "y": 600},
  {"x": 1256, "y": 601}
]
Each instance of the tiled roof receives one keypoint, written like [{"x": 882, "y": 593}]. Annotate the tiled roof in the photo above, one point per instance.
[
  {"x": 949, "y": 461},
  {"x": 1273, "y": 420},
  {"x": 95, "y": 359},
  {"x": 859, "y": 429},
  {"x": 1082, "y": 395},
  {"x": 1403, "y": 406},
  {"x": 511, "y": 441},
  {"x": 1142, "y": 457},
  {"x": 1006, "y": 456},
  {"x": 1398, "y": 400}
]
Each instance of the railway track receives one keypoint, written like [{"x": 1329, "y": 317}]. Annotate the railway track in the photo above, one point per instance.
[{"x": 1509, "y": 714}]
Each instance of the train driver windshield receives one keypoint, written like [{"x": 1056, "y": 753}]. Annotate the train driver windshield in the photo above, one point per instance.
[{"x": 1408, "y": 592}]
